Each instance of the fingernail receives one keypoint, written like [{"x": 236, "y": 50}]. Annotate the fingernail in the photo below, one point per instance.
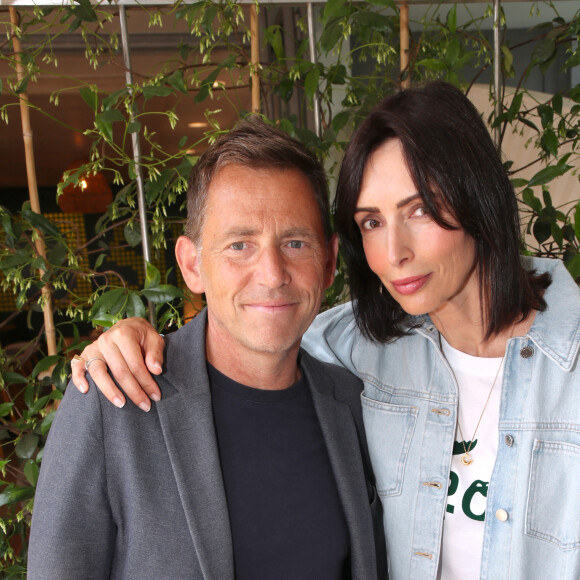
[
  {"x": 144, "y": 406},
  {"x": 83, "y": 388},
  {"x": 155, "y": 397},
  {"x": 158, "y": 366},
  {"x": 118, "y": 402}
]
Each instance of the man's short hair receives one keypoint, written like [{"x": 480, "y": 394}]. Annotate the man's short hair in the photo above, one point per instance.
[{"x": 255, "y": 145}]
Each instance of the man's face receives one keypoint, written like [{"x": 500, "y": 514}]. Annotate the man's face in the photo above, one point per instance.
[{"x": 264, "y": 263}]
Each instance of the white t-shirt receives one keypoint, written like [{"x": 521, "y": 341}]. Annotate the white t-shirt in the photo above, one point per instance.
[{"x": 464, "y": 519}]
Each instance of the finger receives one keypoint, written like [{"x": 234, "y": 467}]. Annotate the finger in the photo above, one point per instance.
[
  {"x": 78, "y": 375},
  {"x": 104, "y": 382},
  {"x": 125, "y": 365},
  {"x": 131, "y": 372},
  {"x": 153, "y": 346}
]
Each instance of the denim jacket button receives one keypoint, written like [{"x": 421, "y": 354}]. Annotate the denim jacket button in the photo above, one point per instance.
[
  {"x": 526, "y": 352},
  {"x": 501, "y": 515},
  {"x": 509, "y": 440}
]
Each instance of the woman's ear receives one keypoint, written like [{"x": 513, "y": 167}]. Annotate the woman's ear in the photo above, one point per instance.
[{"x": 188, "y": 258}]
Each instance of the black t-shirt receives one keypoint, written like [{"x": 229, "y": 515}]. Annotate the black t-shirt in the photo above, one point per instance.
[{"x": 286, "y": 517}]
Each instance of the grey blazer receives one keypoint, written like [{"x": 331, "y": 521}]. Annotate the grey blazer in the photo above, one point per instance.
[{"x": 133, "y": 495}]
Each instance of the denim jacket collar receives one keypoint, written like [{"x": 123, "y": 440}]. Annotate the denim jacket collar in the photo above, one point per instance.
[{"x": 556, "y": 331}]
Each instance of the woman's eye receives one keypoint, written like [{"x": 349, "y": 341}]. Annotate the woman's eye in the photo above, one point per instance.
[
  {"x": 420, "y": 211},
  {"x": 370, "y": 224}
]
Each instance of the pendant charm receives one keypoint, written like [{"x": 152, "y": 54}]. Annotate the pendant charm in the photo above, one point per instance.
[{"x": 466, "y": 459}]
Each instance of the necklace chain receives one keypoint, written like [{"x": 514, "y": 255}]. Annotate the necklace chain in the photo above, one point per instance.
[{"x": 467, "y": 458}]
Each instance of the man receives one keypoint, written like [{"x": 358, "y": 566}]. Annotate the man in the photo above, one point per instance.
[{"x": 253, "y": 463}]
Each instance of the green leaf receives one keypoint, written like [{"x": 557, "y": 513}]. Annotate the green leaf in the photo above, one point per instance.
[
  {"x": 515, "y": 106},
  {"x": 177, "y": 82},
  {"x": 544, "y": 50},
  {"x": 548, "y": 174},
  {"x": 334, "y": 9},
  {"x": 10, "y": 378},
  {"x": 546, "y": 114},
  {"x": 508, "y": 58},
  {"x": 5, "y": 409},
  {"x": 151, "y": 91},
  {"x": 153, "y": 276},
  {"x": 331, "y": 34},
  {"x": 557, "y": 234},
  {"x": 435, "y": 64},
  {"x": 110, "y": 302},
  {"x": 311, "y": 83},
  {"x": 577, "y": 221},
  {"x": 44, "y": 364},
  {"x": 573, "y": 266},
  {"x": 518, "y": 182},
  {"x": 549, "y": 142},
  {"x": 27, "y": 445},
  {"x": 557, "y": 103},
  {"x": 132, "y": 234},
  {"x": 542, "y": 230},
  {"x": 135, "y": 306},
  {"x": 154, "y": 188},
  {"x": 15, "y": 494},
  {"x": 134, "y": 127},
  {"x": 47, "y": 422},
  {"x": 99, "y": 261},
  {"x": 340, "y": 120},
  {"x": 31, "y": 471},
  {"x": 15, "y": 260},
  {"x": 41, "y": 223},
  {"x": 111, "y": 116},
  {"x": 90, "y": 97},
  {"x": 452, "y": 51},
  {"x": 452, "y": 19},
  {"x": 273, "y": 35},
  {"x": 162, "y": 293}
]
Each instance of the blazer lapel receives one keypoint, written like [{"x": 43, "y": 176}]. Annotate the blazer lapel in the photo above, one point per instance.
[
  {"x": 342, "y": 442},
  {"x": 186, "y": 418}
]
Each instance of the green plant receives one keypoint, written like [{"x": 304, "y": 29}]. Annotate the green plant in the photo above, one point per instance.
[{"x": 357, "y": 64}]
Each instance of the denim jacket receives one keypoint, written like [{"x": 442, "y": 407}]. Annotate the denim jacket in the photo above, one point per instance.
[{"x": 532, "y": 522}]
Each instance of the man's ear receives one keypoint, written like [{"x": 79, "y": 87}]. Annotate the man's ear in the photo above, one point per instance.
[
  {"x": 188, "y": 258},
  {"x": 331, "y": 256}
]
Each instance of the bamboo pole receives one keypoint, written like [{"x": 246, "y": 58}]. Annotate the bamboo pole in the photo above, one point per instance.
[
  {"x": 405, "y": 41},
  {"x": 255, "y": 57},
  {"x": 32, "y": 183}
]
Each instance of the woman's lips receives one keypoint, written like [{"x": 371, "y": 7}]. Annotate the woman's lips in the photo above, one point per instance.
[{"x": 410, "y": 285}]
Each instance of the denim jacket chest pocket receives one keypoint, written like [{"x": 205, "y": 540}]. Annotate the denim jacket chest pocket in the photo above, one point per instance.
[
  {"x": 389, "y": 430},
  {"x": 553, "y": 502}
]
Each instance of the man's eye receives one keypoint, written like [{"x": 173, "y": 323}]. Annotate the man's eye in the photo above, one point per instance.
[
  {"x": 296, "y": 244},
  {"x": 238, "y": 246}
]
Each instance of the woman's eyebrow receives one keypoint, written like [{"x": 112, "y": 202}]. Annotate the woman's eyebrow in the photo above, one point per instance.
[
  {"x": 367, "y": 209},
  {"x": 407, "y": 200}
]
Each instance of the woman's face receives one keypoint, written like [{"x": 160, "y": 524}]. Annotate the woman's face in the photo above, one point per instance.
[{"x": 425, "y": 268}]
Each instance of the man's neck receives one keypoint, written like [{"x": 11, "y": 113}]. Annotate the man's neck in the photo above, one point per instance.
[{"x": 260, "y": 370}]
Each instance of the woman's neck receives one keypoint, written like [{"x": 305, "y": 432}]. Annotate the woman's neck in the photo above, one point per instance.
[{"x": 468, "y": 335}]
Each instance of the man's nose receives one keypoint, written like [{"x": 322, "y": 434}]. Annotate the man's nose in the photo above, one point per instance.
[{"x": 272, "y": 268}]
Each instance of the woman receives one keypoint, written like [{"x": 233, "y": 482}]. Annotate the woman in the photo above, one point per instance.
[{"x": 468, "y": 354}]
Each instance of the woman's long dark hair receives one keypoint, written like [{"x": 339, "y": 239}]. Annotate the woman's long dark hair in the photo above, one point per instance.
[{"x": 457, "y": 171}]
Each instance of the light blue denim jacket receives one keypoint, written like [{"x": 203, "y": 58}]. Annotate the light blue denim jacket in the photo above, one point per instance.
[{"x": 410, "y": 406}]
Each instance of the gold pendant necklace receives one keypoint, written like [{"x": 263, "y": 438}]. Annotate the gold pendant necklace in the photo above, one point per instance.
[{"x": 466, "y": 458}]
